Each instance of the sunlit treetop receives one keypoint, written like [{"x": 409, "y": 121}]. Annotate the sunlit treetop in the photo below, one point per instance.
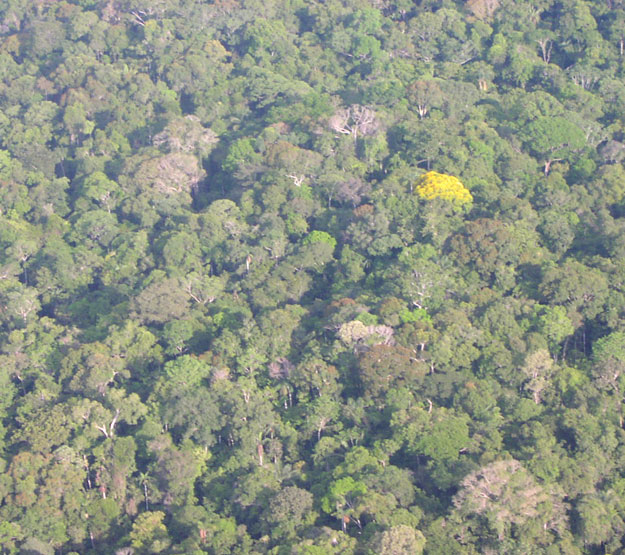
[{"x": 433, "y": 185}]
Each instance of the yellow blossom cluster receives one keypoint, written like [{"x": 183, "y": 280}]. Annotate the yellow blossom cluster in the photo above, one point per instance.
[{"x": 433, "y": 185}]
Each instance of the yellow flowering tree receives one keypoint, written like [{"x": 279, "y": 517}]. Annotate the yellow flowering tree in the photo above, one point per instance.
[{"x": 433, "y": 185}]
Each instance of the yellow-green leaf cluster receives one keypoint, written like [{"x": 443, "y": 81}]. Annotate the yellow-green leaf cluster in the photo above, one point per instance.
[{"x": 433, "y": 185}]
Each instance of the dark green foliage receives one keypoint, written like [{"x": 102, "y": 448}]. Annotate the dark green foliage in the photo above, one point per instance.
[{"x": 230, "y": 324}]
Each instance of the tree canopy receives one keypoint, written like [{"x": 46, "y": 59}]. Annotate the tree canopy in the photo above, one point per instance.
[{"x": 318, "y": 277}]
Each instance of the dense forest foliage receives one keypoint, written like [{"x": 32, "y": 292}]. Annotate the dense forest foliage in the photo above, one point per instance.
[{"x": 312, "y": 277}]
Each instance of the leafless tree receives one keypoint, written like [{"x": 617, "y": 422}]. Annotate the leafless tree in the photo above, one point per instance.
[
  {"x": 507, "y": 494},
  {"x": 584, "y": 77},
  {"x": 424, "y": 95},
  {"x": 612, "y": 152},
  {"x": 186, "y": 134},
  {"x": 177, "y": 173},
  {"x": 546, "y": 46},
  {"x": 356, "y": 120},
  {"x": 483, "y": 9},
  {"x": 538, "y": 368}
]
